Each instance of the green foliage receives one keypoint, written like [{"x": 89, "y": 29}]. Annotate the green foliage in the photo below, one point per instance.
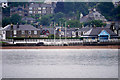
[
  {"x": 108, "y": 9},
  {"x": 59, "y": 7},
  {"x": 15, "y": 18},
  {"x": 116, "y": 13},
  {"x": 59, "y": 17},
  {"x": 73, "y": 23},
  {"x": 23, "y": 22},
  {"x": 6, "y": 12},
  {"x": 97, "y": 23},
  {"x": 16, "y": 4},
  {"x": 51, "y": 36},
  {"x": 45, "y": 20},
  {"x": 108, "y": 6},
  {"x": 6, "y": 21},
  {"x": 67, "y": 7}
]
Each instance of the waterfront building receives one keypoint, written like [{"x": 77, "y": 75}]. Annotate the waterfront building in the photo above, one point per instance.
[
  {"x": 25, "y": 31},
  {"x": 99, "y": 33},
  {"x": 85, "y": 33}
]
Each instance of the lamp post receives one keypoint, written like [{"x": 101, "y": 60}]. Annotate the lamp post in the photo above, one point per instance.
[
  {"x": 54, "y": 33},
  {"x": 11, "y": 30},
  {"x": 60, "y": 31},
  {"x": 65, "y": 31}
]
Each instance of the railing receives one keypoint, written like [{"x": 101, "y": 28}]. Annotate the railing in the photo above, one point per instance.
[{"x": 58, "y": 41}]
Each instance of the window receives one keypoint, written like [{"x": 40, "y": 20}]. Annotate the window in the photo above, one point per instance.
[
  {"x": 44, "y": 7},
  {"x": 39, "y": 8},
  {"x": 62, "y": 33},
  {"x": 35, "y": 32},
  {"x": 39, "y": 12},
  {"x": 15, "y": 32},
  {"x": 20, "y": 14},
  {"x": 30, "y": 12},
  {"x": 79, "y": 33},
  {"x": 73, "y": 33},
  {"x": 23, "y": 32},
  {"x": 44, "y": 11},
  {"x": 93, "y": 38},
  {"x": 30, "y": 8},
  {"x": 29, "y": 32},
  {"x": 51, "y": 11}
]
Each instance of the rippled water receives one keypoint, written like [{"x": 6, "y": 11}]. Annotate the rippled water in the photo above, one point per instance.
[{"x": 80, "y": 61}]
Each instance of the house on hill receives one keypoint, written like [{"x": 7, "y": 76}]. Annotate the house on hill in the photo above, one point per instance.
[
  {"x": 41, "y": 9},
  {"x": 93, "y": 15},
  {"x": 20, "y": 10},
  {"x": 28, "y": 20}
]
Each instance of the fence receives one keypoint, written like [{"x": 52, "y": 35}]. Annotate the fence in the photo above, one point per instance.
[{"x": 60, "y": 41}]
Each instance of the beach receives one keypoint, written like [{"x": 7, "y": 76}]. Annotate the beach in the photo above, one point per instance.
[{"x": 62, "y": 47}]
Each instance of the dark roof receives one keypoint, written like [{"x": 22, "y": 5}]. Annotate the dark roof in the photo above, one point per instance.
[
  {"x": 85, "y": 29},
  {"x": 28, "y": 18},
  {"x": 34, "y": 5},
  {"x": 97, "y": 30},
  {"x": 21, "y": 27},
  {"x": 117, "y": 25},
  {"x": 108, "y": 26},
  {"x": 94, "y": 15},
  {"x": 46, "y": 5}
]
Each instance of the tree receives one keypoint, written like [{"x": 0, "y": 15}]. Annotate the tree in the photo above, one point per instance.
[
  {"x": 5, "y": 21},
  {"x": 15, "y": 18},
  {"x": 45, "y": 21},
  {"x": 6, "y": 12},
  {"x": 116, "y": 13},
  {"x": 16, "y": 4},
  {"x": 108, "y": 9},
  {"x": 59, "y": 7},
  {"x": 97, "y": 23},
  {"x": 58, "y": 16},
  {"x": 73, "y": 23}
]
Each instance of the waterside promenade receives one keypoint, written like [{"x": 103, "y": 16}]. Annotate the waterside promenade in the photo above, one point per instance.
[{"x": 62, "y": 47}]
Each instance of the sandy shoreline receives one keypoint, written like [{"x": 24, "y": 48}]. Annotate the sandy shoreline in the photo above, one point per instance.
[{"x": 60, "y": 47}]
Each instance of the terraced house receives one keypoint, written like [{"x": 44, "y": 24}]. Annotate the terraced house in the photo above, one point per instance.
[
  {"x": 27, "y": 31},
  {"x": 33, "y": 9},
  {"x": 85, "y": 33},
  {"x": 36, "y": 8}
]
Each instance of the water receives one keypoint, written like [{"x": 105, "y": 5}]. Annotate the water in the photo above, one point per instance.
[{"x": 60, "y": 63}]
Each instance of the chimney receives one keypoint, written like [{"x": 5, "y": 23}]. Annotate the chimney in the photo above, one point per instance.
[
  {"x": 82, "y": 26},
  {"x": 36, "y": 25},
  {"x": 102, "y": 26},
  {"x": 94, "y": 26},
  {"x": 17, "y": 25},
  {"x": 11, "y": 26}
]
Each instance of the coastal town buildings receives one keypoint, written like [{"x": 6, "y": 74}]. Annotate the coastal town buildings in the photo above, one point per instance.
[
  {"x": 115, "y": 27},
  {"x": 87, "y": 33},
  {"x": 28, "y": 20},
  {"x": 99, "y": 33},
  {"x": 93, "y": 15},
  {"x": 42, "y": 9},
  {"x": 116, "y": 4},
  {"x": 33, "y": 9},
  {"x": 20, "y": 10},
  {"x": 28, "y": 31}
]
